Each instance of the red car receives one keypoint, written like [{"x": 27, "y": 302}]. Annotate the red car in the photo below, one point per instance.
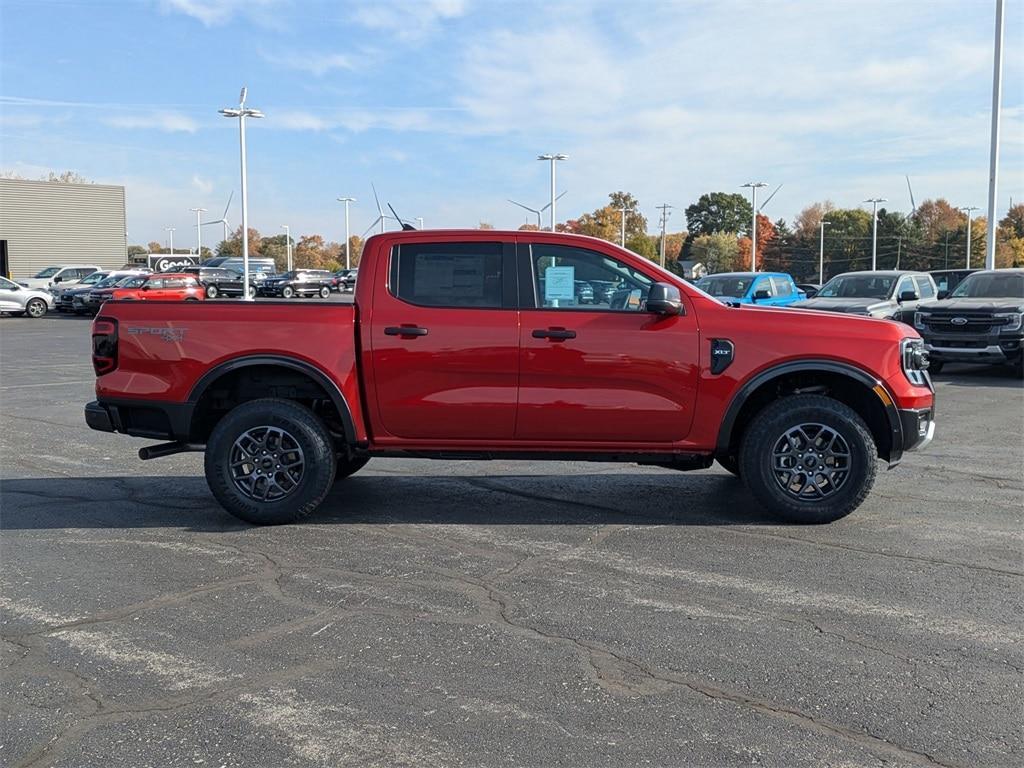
[
  {"x": 473, "y": 344},
  {"x": 171, "y": 286}
]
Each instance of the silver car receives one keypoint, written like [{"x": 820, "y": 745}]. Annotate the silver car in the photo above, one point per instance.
[{"x": 18, "y": 300}]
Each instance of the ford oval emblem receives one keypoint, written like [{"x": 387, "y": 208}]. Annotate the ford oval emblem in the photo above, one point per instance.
[{"x": 959, "y": 321}]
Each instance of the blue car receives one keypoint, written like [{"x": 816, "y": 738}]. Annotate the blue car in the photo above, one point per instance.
[{"x": 768, "y": 289}]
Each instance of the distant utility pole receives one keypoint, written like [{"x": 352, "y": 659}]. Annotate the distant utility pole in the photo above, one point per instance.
[
  {"x": 993, "y": 163},
  {"x": 821, "y": 254},
  {"x": 288, "y": 245},
  {"x": 346, "y": 201},
  {"x": 754, "y": 186},
  {"x": 170, "y": 235},
  {"x": 199, "y": 230},
  {"x": 553, "y": 159},
  {"x": 899, "y": 250},
  {"x": 622, "y": 232},
  {"x": 664, "y": 208},
  {"x": 968, "y": 210},
  {"x": 874, "y": 229},
  {"x": 946, "y": 262}
]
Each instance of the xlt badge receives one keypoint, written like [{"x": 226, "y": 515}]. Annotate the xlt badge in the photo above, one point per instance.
[{"x": 722, "y": 353}]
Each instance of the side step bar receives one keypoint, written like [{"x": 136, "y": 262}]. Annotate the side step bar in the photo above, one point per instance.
[{"x": 168, "y": 449}]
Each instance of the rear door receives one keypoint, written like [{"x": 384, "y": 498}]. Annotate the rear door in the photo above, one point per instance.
[
  {"x": 607, "y": 373},
  {"x": 444, "y": 341}
]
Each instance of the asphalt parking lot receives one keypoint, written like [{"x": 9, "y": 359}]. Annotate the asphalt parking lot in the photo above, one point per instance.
[{"x": 503, "y": 613}]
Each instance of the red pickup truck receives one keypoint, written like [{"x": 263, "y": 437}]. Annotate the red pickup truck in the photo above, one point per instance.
[{"x": 476, "y": 344}]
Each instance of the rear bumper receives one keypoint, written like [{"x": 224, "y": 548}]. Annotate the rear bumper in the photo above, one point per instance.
[{"x": 141, "y": 418}]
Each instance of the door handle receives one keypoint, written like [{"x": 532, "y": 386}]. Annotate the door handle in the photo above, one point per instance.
[
  {"x": 405, "y": 330},
  {"x": 554, "y": 334}
]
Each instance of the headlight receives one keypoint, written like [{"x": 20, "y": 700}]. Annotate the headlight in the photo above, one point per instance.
[
  {"x": 914, "y": 358},
  {"x": 1011, "y": 321},
  {"x": 920, "y": 318}
]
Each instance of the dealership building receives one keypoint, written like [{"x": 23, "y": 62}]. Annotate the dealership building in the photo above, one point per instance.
[{"x": 44, "y": 223}]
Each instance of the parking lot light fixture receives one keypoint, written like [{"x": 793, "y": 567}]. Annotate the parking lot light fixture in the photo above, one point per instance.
[
  {"x": 199, "y": 230},
  {"x": 288, "y": 244},
  {"x": 553, "y": 158},
  {"x": 754, "y": 186},
  {"x": 821, "y": 253},
  {"x": 874, "y": 229},
  {"x": 348, "y": 255},
  {"x": 242, "y": 112},
  {"x": 170, "y": 235},
  {"x": 968, "y": 210}
]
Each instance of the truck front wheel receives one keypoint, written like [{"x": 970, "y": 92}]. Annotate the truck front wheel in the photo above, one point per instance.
[
  {"x": 270, "y": 461},
  {"x": 808, "y": 459}
]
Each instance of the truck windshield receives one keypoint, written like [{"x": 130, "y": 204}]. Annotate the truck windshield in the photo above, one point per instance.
[
  {"x": 94, "y": 278},
  {"x": 48, "y": 272},
  {"x": 991, "y": 285},
  {"x": 857, "y": 287},
  {"x": 724, "y": 286}
]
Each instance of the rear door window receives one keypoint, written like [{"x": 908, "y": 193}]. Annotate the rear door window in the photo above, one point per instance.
[
  {"x": 782, "y": 286},
  {"x": 467, "y": 275}
]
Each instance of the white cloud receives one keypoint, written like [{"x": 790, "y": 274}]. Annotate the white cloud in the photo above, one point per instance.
[
  {"x": 215, "y": 12},
  {"x": 204, "y": 186},
  {"x": 170, "y": 122},
  {"x": 318, "y": 64},
  {"x": 408, "y": 20}
]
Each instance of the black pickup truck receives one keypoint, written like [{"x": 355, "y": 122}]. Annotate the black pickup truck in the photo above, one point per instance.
[{"x": 980, "y": 321}]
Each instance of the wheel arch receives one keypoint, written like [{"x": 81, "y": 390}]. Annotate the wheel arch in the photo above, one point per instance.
[
  {"x": 272, "y": 372},
  {"x": 855, "y": 387}
]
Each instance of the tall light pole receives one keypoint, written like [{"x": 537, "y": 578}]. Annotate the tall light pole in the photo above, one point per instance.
[
  {"x": 170, "y": 235},
  {"x": 199, "y": 230},
  {"x": 348, "y": 256},
  {"x": 664, "y": 208},
  {"x": 821, "y": 254},
  {"x": 553, "y": 158},
  {"x": 993, "y": 162},
  {"x": 874, "y": 229},
  {"x": 288, "y": 245},
  {"x": 754, "y": 186},
  {"x": 968, "y": 210},
  {"x": 622, "y": 229},
  {"x": 242, "y": 112}
]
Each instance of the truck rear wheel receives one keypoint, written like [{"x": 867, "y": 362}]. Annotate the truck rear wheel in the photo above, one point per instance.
[
  {"x": 808, "y": 459},
  {"x": 270, "y": 461}
]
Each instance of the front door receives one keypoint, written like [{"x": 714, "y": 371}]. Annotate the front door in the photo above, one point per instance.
[
  {"x": 445, "y": 342},
  {"x": 604, "y": 372}
]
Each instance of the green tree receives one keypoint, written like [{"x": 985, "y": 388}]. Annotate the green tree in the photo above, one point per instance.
[
  {"x": 718, "y": 252},
  {"x": 137, "y": 250},
  {"x": 644, "y": 245},
  {"x": 717, "y": 212}
]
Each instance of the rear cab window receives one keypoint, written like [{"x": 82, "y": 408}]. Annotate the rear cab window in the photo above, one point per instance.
[{"x": 455, "y": 275}]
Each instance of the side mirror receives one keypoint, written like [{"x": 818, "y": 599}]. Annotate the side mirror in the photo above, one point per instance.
[
  {"x": 943, "y": 295},
  {"x": 761, "y": 295},
  {"x": 664, "y": 299},
  {"x": 144, "y": 288},
  {"x": 57, "y": 279},
  {"x": 908, "y": 296}
]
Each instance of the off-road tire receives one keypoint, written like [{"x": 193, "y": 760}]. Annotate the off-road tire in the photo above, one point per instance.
[
  {"x": 771, "y": 424},
  {"x": 308, "y": 431},
  {"x": 348, "y": 467}
]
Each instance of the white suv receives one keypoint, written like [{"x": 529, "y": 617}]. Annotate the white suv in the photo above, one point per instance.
[{"x": 66, "y": 274}]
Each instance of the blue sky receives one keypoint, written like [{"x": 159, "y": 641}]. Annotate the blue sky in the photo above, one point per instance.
[{"x": 444, "y": 104}]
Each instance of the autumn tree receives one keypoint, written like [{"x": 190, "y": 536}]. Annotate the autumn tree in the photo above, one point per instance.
[
  {"x": 807, "y": 223},
  {"x": 1010, "y": 239},
  {"x": 937, "y": 217},
  {"x": 765, "y": 235},
  {"x": 310, "y": 253},
  {"x": 606, "y": 222},
  {"x": 233, "y": 245}
]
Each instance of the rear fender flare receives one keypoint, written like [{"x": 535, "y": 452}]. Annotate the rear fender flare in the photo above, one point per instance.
[{"x": 280, "y": 361}]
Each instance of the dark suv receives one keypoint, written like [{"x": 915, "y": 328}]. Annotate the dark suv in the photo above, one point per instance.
[
  {"x": 980, "y": 322},
  {"x": 298, "y": 282},
  {"x": 219, "y": 281}
]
